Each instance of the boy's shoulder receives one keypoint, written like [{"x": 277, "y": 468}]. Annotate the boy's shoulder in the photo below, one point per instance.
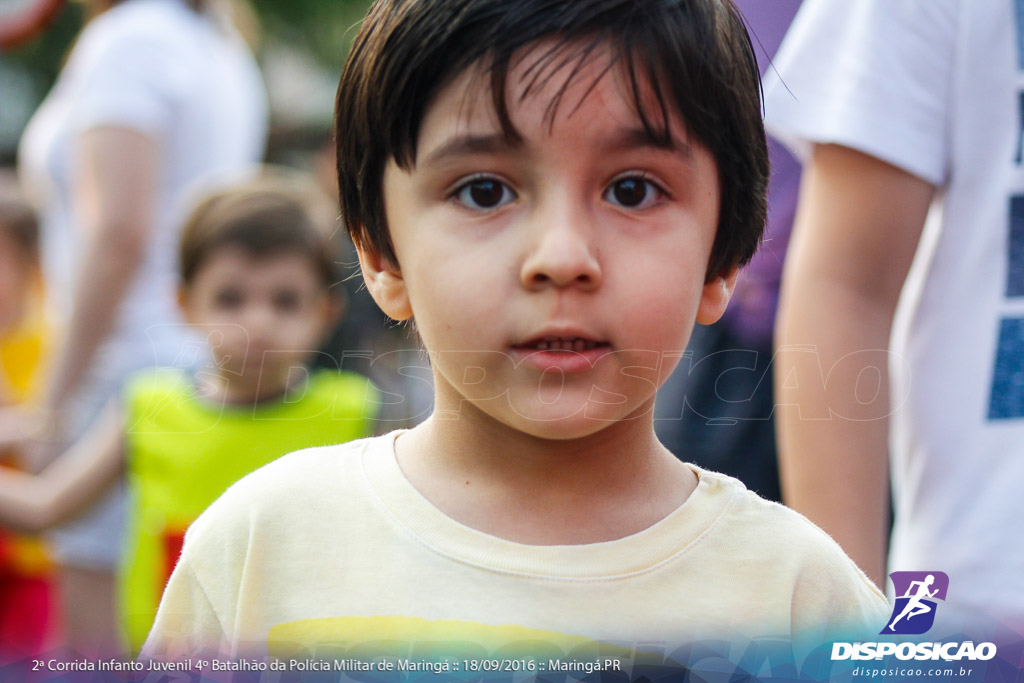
[
  {"x": 751, "y": 519},
  {"x": 293, "y": 485},
  {"x": 342, "y": 388},
  {"x": 144, "y": 389},
  {"x": 343, "y": 392},
  {"x": 765, "y": 536},
  {"x": 157, "y": 379}
]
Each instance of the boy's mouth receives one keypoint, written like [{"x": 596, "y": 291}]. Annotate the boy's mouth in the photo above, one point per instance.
[{"x": 550, "y": 343}]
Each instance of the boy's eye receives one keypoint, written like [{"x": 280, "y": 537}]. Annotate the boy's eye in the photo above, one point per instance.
[
  {"x": 633, "y": 192},
  {"x": 286, "y": 301},
  {"x": 228, "y": 298},
  {"x": 484, "y": 193}
]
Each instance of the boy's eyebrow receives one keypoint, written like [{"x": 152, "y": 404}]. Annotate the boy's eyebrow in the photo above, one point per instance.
[
  {"x": 461, "y": 145},
  {"x": 622, "y": 140},
  {"x": 625, "y": 139}
]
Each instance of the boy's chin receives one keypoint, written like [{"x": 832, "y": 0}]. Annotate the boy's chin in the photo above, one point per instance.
[
  {"x": 257, "y": 381},
  {"x": 567, "y": 422},
  {"x": 574, "y": 430}
]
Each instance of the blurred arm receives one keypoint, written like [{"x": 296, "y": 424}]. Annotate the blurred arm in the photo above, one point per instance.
[
  {"x": 117, "y": 176},
  {"x": 33, "y": 502},
  {"x": 857, "y": 227}
]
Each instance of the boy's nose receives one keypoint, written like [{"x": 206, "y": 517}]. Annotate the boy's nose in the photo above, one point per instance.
[
  {"x": 564, "y": 255},
  {"x": 260, "y": 320}
]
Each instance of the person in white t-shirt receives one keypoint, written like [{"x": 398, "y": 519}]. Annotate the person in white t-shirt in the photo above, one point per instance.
[
  {"x": 157, "y": 97},
  {"x": 909, "y": 114}
]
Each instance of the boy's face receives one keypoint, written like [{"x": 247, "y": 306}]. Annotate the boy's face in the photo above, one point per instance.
[
  {"x": 262, "y": 315},
  {"x": 549, "y": 278}
]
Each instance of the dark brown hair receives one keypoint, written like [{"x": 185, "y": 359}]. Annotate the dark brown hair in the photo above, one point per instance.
[
  {"x": 693, "y": 57},
  {"x": 277, "y": 212}
]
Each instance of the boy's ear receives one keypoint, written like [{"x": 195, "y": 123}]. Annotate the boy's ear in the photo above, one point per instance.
[
  {"x": 183, "y": 304},
  {"x": 716, "y": 296},
  {"x": 385, "y": 283}
]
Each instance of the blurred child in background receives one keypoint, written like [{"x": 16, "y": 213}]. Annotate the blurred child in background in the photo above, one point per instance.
[
  {"x": 157, "y": 97},
  {"x": 258, "y": 275},
  {"x": 25, "y": 581}
]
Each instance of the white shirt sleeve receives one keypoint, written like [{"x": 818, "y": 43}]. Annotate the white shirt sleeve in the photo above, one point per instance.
[
  {"x": 128, "y": 73},
  {"x": 873, "y": 75}
]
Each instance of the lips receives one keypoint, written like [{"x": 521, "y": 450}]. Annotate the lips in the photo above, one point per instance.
[
  {"x": 565, "y": 339},
  {"x": 568, "y": 349},
  {"x": 552, "y": 343}
]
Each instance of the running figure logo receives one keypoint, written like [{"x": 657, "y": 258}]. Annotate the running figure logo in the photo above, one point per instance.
[{"x": 914, "y": 611}]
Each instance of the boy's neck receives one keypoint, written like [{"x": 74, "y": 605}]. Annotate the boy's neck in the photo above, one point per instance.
[
  {"x": 494, "y": 478},
  {"x": 243, "y": 390}
]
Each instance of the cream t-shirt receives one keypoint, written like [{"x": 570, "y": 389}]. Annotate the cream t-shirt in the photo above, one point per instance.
[{"x": 332, "y": 552}]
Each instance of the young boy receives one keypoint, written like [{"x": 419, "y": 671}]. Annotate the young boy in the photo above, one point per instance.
[
  {"x": 553, "y": 193},
  {"x": 258, "y": 273}
]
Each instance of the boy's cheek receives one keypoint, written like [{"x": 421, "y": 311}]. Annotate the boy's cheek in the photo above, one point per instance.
[{"x": 477, "y": 375}]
